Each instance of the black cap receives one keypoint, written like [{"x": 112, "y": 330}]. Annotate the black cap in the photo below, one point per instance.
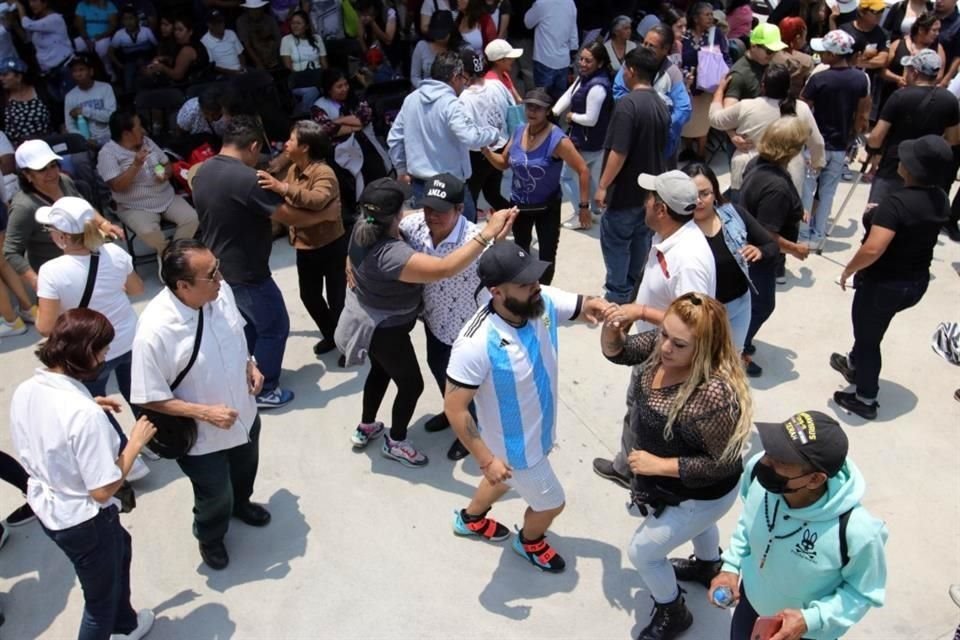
[
  {"x": 81, "y": 58},
  {"x": 539, "y": 97},
  {"x": 383, "y": 199},
  {"x": 809, "y": 437},
  {"x": 473, "y": 64},
  {"x": 507, "y": 262},
  {"x": 441, "y": 25},
  {"x": 926, "y": 158},
  {"x": 443, "y": 192}
]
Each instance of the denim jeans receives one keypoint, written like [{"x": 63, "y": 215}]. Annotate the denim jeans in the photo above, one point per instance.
[
  {"x": 419, "y": 187},
  {"x": 268, "y": 326},
  {"x": 100, "y": 552},
  {"x": 553, "y": 80},
  {"x": 220, "y": 480},
  {"x": 98, "y": 387},
  {"x": 694, "y": 520},
  {"x": 875, "y": 302},
  {"x": 624, "y": 241},
  {"x": 570, "y": 181},
  {"x": 739, "y": 312},
  {"x": 828, "y": 180},
  {"x": 763, "y": 301}
]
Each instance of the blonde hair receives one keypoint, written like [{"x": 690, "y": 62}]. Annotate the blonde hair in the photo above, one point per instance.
[
  {"x": 91, "y": 238},
  {"x": 783, "y": 139},
  {"x": 714, "y": 356}
]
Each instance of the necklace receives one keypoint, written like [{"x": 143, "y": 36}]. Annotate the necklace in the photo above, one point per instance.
[{"x": 773, "y": 523}]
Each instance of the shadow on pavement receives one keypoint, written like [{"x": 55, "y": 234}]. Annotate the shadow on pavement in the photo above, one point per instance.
[
  {"x": 778, "y": 365},
  {"x": 210, "y": 621},
  {"x": 895, "y": 401}
]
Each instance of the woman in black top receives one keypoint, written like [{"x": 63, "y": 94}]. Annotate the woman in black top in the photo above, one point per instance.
[
  {"x": 892, "y": 266},
  {"x": 190, "y": 65},
  {"x": 692, "y": 415},
  {"x": 769, "y": 195}
]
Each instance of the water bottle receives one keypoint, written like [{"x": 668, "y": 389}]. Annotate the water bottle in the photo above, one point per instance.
[
  {"x": 723, "y": 597},
  {"x": 83, "y": 127}
]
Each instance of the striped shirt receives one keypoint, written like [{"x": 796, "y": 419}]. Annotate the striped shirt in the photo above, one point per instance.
[
  {"x": 514, "y": 370},
  {"x": 146, "y": 193}
]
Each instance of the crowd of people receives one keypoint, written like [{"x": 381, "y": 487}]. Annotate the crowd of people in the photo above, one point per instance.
[{"x": 370, "y": 133}]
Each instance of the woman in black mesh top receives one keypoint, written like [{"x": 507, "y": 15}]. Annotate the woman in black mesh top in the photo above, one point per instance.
[{"x": 692, "y": 415}]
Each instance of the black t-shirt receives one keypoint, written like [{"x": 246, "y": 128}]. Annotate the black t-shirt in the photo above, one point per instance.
[
  {"x": 914, "y": 112},
  {"x": 731, "y": 283},
  {"x": 234, "y": 215},
  {"x": 876, "y": 38},
  {"x": 916, "y": 215},
  {"x": 638, "y": 129},
  {"x": 834, "y": 94},
  {"x": 768, "y": 194}
]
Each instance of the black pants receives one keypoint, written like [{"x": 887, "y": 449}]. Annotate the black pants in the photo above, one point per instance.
[
  {"x": 764, "y": 300},
  {"x": 486, "y": 178},
  {"x": 12, "y": 472},
  {"x": 546, "y": 219},
  {"x": 392, "y": 358},
  {"x": 321, "y": 267},
  {"x": 874, "y": 305},
  {"x": 744, "y": 617}
]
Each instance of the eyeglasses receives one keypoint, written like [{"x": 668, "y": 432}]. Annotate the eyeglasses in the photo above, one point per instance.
[
  {"x": 215, "y": 275},
  {"x": 706, "y": 193}
]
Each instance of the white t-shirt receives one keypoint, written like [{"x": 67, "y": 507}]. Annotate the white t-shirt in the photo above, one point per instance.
[
  {"x": 682, "y": 263},
  {"x": 301, "y": 52},
  {"x": 225, "y": 52},
  {"x": 65, "y": 278},
  {"x": 67, "y": 446},
  {"x": 514, "y": 371}
]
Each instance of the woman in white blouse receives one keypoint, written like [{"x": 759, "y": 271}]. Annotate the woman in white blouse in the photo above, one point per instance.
[
  {"x": 69, "y": 449},
  {"x": 619, "y": 44},
  {"x": 302, "y": 49}
]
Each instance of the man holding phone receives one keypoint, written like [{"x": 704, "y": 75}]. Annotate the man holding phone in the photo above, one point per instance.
[{"x": 806, "y": 559}]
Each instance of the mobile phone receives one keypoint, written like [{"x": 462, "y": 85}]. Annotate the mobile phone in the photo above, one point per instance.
[{"x": 765, "y": 627}]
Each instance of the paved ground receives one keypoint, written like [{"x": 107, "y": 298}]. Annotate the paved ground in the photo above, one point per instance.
[{"x": 361, "y": 547}]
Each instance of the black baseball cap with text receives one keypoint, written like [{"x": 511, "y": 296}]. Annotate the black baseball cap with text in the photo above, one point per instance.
[
  {"x": 808, "y": 437},
  {"x": 443, "y": 192}
]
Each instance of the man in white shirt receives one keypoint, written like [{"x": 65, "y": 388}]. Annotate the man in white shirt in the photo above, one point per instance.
[
  {"x": 555, "y": 35},
  {"x": 506, "y": 360},
  {"x": 218, "y": 390},
  {"x": 90, "y": 99},
  {"x": 679, "y": 262},
  {"x": 223, "y": 45}
]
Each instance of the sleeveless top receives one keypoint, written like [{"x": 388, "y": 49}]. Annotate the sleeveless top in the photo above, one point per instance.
[
  {"x": 591, "y": 138},
  {"x": 536, "y": 173}
]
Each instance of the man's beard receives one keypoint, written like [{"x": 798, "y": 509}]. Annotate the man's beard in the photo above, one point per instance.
[{"x": 526, "y": 309}]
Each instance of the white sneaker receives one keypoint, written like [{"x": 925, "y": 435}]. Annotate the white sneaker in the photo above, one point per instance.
[
  {"x": 403, "y": 452},
  {"x": 138, "y": 471},
  {"x": 148, "y": 454},
  {"x": 16, "y": 328},
  {"x": 145, "y": 618}
]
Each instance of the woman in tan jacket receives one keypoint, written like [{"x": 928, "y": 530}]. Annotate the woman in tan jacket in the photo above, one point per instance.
[{"x": 310, "y": 183}]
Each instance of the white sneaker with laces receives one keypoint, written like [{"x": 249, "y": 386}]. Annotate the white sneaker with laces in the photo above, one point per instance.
[
  {"x": 403, "y": 452},
  {"x": 138, "y": 470},
  {"x": 16, "y": 328},
  {"x": 145, "y": 618}
]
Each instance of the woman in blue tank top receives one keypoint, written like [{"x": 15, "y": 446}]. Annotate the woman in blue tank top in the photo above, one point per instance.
[{"x": 536, "y": 154}]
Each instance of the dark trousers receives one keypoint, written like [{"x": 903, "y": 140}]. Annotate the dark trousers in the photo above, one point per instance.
[
  {"x": 763, "y": 301},
  {"x": 268, "y": 326},
  {"x": 438, "y": 357},
  {"x": 121, "y": 367},
  {"x": 486, "y": 178},
  {"x": 875, "y": 302},
  {"x": 321, "y": 267},
  {"x": 392, "y": 358},
  {"x": 546, "y": 220},
  {"x": 744, "y": 617},
  {"x": 100, "y": 552},
  {"x": 220, "y": 480},
  {"x": 12, "y": 472}
]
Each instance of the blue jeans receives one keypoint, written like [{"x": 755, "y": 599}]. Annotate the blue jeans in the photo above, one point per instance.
[
  {"x": 570, "y": 181},
  {"x": 738, "y": 312},
  {"x": 418, "y": 187},
  {"x": 100, "y": 552},
  {"x": 98, "y": 387},
  {"x": 305, "y": 97},
  {"x": 828, "y": 180},
  {"x": 553, "y": 80},
  {"x": 268, "y": 326},
  {"x": 763, "y": 301},
  {"x": 624, "y": 241},
  {"x": 875, "y": 302}
]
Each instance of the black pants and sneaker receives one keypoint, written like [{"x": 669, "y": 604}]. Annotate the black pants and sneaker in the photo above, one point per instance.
[
  {"x": 438, "y": 357},
  {"x": 486, "y": 179},
  {"x": 546, "y": 219},
  {"x": 392, "y": 358},
  {"x": 318, "y": 269}
]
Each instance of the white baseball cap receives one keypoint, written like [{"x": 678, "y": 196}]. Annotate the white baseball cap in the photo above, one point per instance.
[
  {"x": 35, "y": 155},
  {"x": 68, "y": 214},
  {"x": 675, "y": 188},
  {"x": 254, "y": 4},
  {"x": 499, "y": 49}
]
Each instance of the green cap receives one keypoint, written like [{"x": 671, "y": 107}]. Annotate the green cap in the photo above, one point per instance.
[{"x": 767, "y": 35}]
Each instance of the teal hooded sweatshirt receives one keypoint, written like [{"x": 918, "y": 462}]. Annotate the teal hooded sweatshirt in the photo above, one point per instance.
[{"x": 804, "y": 570}]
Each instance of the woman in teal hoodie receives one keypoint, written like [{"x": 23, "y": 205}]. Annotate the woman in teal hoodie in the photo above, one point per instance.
[{"x": 805, "y": 551}]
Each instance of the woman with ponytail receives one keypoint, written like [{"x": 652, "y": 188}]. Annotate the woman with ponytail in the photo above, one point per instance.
[
  {"x": 750, "y": 118},
  {"x": 692, "y": 416}
]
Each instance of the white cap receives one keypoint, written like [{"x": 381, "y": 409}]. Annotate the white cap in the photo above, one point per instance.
[
  {"x": 499, "y": 49},
  {"x": 68, "y": 214},
  {"x": 675, "y": 188},
  {"x": 254, "y": 4},
  {"x": 35, "y": 154}
]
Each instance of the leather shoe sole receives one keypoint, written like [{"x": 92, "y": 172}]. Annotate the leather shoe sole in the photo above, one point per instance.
[
  {"x": 604, "y": 468},
  {"x": 253, "y": 515},
  {"x": 214, "y": 555}
]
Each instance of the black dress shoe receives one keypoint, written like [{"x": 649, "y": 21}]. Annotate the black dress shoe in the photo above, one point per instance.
[
  {"x": 214, "y": 555},
  {"x": 853, "y": 404},
  {"x": 438, "y": 422},
  {"x": 324, "y": 346},
  {"x": 605, "y": 469},
  {"x": 839, "y": 362},
  {"x": 457, "y": 451},
  {"x": 252, "y": 514}
]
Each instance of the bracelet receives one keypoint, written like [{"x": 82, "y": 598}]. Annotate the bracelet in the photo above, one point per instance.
[
  {"x": 480, "y": 239},
  {"x": 484, "y": 466}
]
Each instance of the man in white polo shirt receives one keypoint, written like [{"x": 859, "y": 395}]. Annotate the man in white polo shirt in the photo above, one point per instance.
[
  {"x": 218, "y": 390},
  {"x": 679, "y": 262},
  {"x": 505, "y": 359}
]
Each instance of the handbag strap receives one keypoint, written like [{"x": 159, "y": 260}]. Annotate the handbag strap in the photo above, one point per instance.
[
  {"x": 193, "y": 355},
  {"x": 713, "y": 34},
  {"x": 91, "y": 280}
]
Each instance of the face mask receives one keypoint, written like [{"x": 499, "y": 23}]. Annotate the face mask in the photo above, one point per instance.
[{"x": 772, "y": 481}]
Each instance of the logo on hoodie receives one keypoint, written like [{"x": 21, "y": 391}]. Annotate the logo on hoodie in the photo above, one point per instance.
[{"x": 805, "y": 548}]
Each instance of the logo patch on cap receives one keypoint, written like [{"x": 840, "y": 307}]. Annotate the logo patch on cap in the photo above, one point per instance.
[{"x": 801, "y": 428}]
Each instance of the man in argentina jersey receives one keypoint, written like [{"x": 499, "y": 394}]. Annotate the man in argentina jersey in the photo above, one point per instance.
[{"x": 505, "y": 360}]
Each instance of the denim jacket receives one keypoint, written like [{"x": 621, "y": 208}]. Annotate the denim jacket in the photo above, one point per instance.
[{"x": 735, "y": 235}]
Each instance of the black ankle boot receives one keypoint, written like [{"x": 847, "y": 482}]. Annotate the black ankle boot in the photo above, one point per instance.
[
  {"x": 669, "y": 620},
  {"x": 694, "y": 570}
]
